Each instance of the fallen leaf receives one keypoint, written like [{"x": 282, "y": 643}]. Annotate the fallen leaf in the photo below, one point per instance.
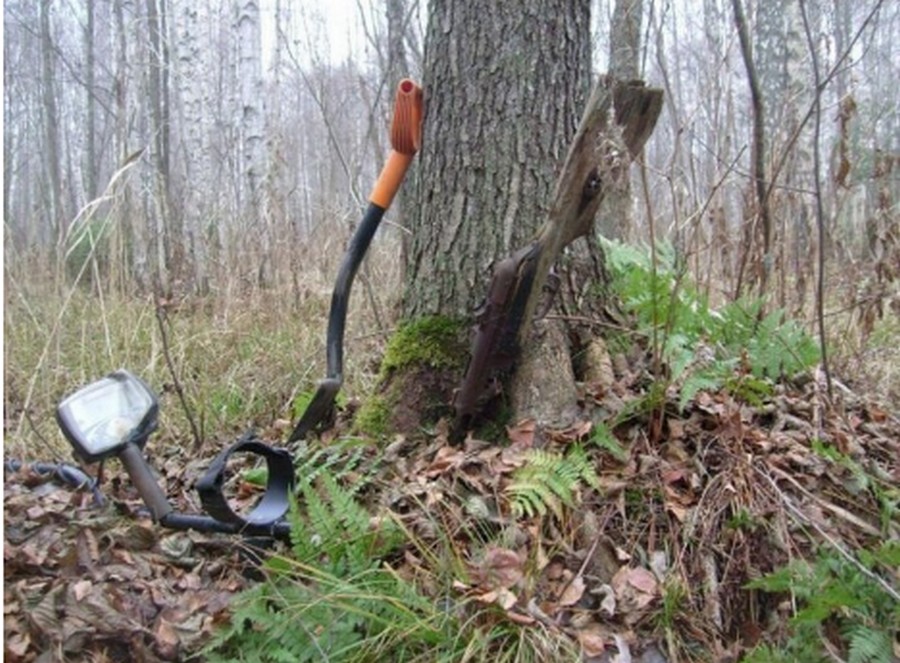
[
  {"x": 593, "y": 641},
  {"x": 17, "y": 644},
  {"x": 577, "y": 431},
  {"x": 635, "y": 589},
  {"x": 608, "y": 603},
  {"x": 624, "y": 655},
  {"x": 522, "y": 434},
  {"x": 573, "y": 592},
  {"x": 444, "y": 460},
  {"x": 501, "y": 596},
  {"x": 81, "y": 589},
  {"x": 643, "y": 580},
  {"x": 519, "y": 618},
  {"x": 500, "y": 567}
]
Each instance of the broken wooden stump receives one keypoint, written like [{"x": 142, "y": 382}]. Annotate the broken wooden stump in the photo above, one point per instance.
[{"x": 618, "y": 120}]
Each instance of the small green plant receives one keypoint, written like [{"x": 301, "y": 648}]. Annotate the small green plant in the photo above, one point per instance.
[
  {"x": 334, "y": 598},
  {"x": 887, "y": 495},
  {"x": 673, "y": 605},
  {"x": 701, "y": 348},
  {"x": 373, "y": 417},
  {"x": 860, "y": 609},
  {"x": 549, "y": 481},
  {"x": 603, "y": 437}
]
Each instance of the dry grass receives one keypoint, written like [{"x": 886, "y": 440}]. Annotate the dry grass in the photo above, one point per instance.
[{"x": 241, "y": 354}]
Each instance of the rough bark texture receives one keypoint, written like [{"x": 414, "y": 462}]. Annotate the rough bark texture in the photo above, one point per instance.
[
  {"x": 505, "y": 84},
  {"x": 250, "y": 122}
]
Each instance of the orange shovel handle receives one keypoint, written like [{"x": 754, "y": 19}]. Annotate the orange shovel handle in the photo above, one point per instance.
[{"x": 406, "y": 138}]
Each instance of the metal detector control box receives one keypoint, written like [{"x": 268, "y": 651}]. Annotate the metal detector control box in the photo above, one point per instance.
[{"x": 99, "y": 420}]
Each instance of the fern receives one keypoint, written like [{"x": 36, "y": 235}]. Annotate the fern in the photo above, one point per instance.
[
  {"x": 332, "y": 598},
  {"x": 603, "y": 437},
  {"x": 867, "y": 645},
  {"x": 887, "y": 495},
  {"x": 336, "y": 531},
  {"x": 667, "y": 307},
  {"x": 549, "y": 481},
  {"x": 835, "y": 590}
]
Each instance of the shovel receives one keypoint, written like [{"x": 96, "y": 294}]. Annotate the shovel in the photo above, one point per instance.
[{"x": 405, "y": 141}]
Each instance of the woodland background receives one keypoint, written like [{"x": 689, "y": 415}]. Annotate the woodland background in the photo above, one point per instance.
[
  {"x": 221, "y": 151},
  {"x": 180, "y": 181}
]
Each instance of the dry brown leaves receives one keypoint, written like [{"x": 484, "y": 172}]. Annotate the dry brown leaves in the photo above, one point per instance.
[
  {"x": 83, "y": 582},
  {"x": 727, "y": 493}
]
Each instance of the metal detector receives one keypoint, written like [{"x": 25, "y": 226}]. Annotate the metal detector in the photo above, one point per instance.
[{"x": 115, "y": 416}]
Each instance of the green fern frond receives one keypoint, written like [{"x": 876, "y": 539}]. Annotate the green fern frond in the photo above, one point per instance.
[
  {"x": 867, "y": 645},
  {"x": 603, "y": 437},
  {"x": 549, "y": 481}
]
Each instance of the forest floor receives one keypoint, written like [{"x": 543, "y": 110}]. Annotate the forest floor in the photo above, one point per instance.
[{"x": 652, "y": 565}]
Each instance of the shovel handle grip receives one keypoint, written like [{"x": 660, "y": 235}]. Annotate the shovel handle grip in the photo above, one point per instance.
[{"x": 406, "y": 138}]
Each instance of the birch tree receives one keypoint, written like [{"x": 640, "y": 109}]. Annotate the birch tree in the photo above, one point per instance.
[
  {"x": 193, "y": 79},
  {"x": 53, "y": 159},
  {"x": 250, "y": 120}
]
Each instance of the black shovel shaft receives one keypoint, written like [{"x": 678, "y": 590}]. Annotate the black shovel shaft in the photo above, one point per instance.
[
  {"x": 340, "y": 298},
  {"x": 326, "y": 392}
]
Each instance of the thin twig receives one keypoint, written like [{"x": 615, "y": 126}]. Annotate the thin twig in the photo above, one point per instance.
[
  {"x": 823, "y": 83},
  {"x": 820, "y": 212},
  {"x": 176, "y": 383},
  {"x": 802, "y": 517}
]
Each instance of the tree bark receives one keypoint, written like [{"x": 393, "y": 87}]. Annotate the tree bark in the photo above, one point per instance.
[
  {"x": 191, "y": 83},
  {"x": 616, "y": 216},
  {"x": 91, "y": 164},
  {"x": 758, "y": 150},
  {"x": 250, "y": 123},
  {"x": 503, "y": 88},
  {"x": 505, "y": 84},
  {"x": 167, "y": 242}
]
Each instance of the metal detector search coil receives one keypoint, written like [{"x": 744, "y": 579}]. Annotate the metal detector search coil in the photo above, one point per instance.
[{"x": 274, "y": 503}]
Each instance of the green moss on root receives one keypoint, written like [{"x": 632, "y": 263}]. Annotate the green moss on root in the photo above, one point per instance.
[
  {"x": 373, "y": 417},
  {"x": 433, "y": 342},
  {"x": 423, "y": 361}
]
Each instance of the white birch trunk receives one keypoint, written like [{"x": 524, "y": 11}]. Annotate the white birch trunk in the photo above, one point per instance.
[
  {"x": 251, "y": 124},
  {"x": 192, "y": 83}
]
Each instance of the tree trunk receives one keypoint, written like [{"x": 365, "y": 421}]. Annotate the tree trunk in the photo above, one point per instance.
[
  {"x": 250, "y": 123},
  {"x": 167, "y": 243},
  {"x": 615, "y": 218},
  {"x": 505, "y": 84},
  {"x": 90, "y": 167},
  {"x": 51, "y": 129},
  {"x": 761, "y": 217},
  {"x": 192, "y": 81}
]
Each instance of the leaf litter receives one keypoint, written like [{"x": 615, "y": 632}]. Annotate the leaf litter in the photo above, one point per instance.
[{"x": 650, "y": 565}]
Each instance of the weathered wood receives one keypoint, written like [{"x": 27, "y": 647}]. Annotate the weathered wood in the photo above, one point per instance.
[{"x": 618, "y": 120}]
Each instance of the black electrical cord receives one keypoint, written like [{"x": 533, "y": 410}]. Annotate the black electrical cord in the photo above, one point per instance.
[{"x": 64, "y": 473}]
